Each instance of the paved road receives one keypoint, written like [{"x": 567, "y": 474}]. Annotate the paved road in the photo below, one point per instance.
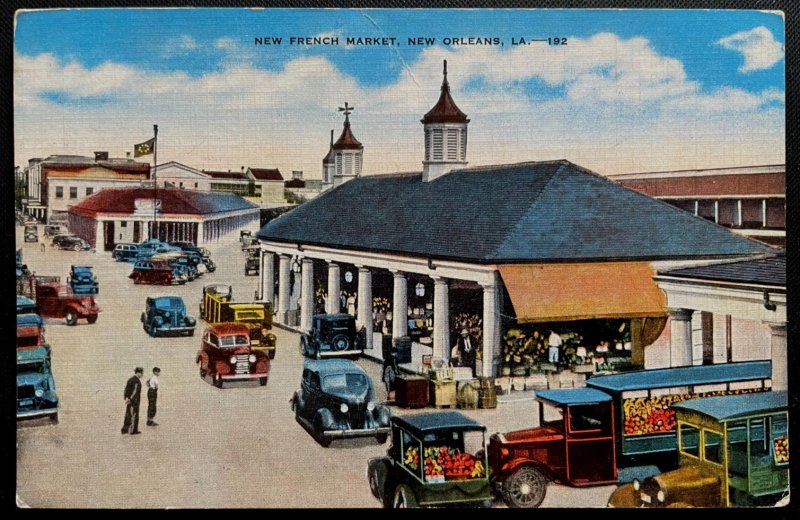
[{"x": 216, "y": 448}]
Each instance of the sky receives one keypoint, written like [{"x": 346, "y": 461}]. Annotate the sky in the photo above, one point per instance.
[{"x": 615, "y": 91}]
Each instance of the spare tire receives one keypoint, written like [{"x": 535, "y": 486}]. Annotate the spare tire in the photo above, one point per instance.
[{"x": 340, "y": 343}]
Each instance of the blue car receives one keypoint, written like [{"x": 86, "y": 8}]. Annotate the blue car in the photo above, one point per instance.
[
  {"x": 25, "y": 305},
  {"x": 82, "y": 280},
  {"x": 167, "y": 315},
  {"x": 36, "y": 388},
  {"x": 30, "y": 319}
]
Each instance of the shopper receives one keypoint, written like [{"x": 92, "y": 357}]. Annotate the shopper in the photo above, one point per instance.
[
  {"x": 554, "y": 342},
  {"x": 133, "y": 394},
  {"x": 152, "y": 396}
]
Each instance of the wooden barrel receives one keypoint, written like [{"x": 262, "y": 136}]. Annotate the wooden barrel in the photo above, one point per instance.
[
  {"x": 468, "y": 394},
  {"x": 487, "y": 397}
]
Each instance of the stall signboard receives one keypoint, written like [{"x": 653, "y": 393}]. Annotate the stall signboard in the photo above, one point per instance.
[{"x": 649, "y": 415}]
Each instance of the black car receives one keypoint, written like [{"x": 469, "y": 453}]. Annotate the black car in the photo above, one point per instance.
[
  {"x": 31, "y": 234},
  {"x": 336, "y": 400},
  {"x": 333, "y": 335},
  {"x": 73, "y": 244},
  {"x": 252, "y": 264},
  {"x": 57, "y": 239}
]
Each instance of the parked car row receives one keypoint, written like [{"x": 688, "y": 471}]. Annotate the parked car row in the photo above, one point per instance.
[
  {"x": 70, "y": 242},
  {"x": 36, "y": 387},
  {"x": 164, "y": 263}
]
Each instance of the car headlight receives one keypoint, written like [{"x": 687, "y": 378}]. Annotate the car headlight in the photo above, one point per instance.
[
  {"x": 636, "y": 484},
  {"x": 343, "y": 408},
  {"x": 39, "y": 392},
  {"x": 660, "y": 496},
  {"x": 233, "y": 360},
  {"x": 252, "y": 358},
  {"x": 370, "y": 406}
]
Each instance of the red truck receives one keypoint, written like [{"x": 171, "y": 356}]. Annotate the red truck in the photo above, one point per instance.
[{"x": 57, "y": 300}]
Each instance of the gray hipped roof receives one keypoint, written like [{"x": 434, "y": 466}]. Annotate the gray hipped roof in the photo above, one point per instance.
[{"x": 526, "y": 212}]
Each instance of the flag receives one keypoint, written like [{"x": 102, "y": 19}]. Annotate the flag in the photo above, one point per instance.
[{"x": 145, "y": 148}]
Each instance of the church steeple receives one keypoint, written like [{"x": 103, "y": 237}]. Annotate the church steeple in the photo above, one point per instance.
[{"x": 445, "y": 127}]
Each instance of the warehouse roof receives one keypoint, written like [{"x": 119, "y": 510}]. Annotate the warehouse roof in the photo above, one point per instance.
[
  {"x": 266, "y": 174},
  {"x": 173, "y": 201},
  {"x": 534, "y": 211},
  {"x": 765, "y": 271}
]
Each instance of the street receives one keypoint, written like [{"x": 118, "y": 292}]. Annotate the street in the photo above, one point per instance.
[{"x": 237, "y": 447}]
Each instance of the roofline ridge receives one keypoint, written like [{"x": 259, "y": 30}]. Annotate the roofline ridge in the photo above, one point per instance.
[{"x": 752, "y": 257}]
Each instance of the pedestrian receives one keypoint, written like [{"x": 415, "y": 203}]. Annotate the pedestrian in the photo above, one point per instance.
[
  {"x": 43, "y": 247},
  {"x": 133, "y": 394},
  {"x": 152, "y": 396},
  {"x": 554, "y": 342},
  {"x": 464, "y": 350}
]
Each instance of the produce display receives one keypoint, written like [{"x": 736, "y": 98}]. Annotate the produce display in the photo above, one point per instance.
[
  {"x": 646, "y": 415},
  {"x": 781, "y": 450},
  {"x": 443, "y": 463}
]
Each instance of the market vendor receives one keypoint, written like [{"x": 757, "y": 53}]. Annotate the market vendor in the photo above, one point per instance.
[
  {"x": 463, "y": 354},
  {"x": 554, "y": 343}
]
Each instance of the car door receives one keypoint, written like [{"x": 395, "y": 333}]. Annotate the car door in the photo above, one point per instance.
[{"x": 47, "y": 299}]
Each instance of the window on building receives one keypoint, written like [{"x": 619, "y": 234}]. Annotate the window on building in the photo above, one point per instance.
[
  {"x": 59, "y": 192},
  {"x": 437, "y": 144},
  {"x": 180, "y": 185},
  {"x": 452, "y": 144},
  {"x": 752, "y": 217},
  {"x": 123, "y": 223},
  {"x": 358, "y": 164},
  {"x": 348, "y": 164},
  {"x": 73, "y": 192},
  {"x": 89, "y": 191},
  {"x": 338, "y": 163}
]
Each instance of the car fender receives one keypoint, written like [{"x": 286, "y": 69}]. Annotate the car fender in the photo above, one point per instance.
[
  {"x": 380, "y": 467},
  {"x": 77, "y": 308},
  {"x": 297, "y": 400},
  {"x": 515, "y": 464},
  {"x": 202, "y": 357},
  {"x": 143, "y": 318},
  {"x": 382, "y": 415},
  {"x": 326, "y": 418}
]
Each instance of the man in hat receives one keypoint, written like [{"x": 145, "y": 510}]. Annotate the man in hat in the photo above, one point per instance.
[
  {"x": 152, "y": 396},
  {"x": 133, "y": 394},
  {"x": 465, "y": 350}
]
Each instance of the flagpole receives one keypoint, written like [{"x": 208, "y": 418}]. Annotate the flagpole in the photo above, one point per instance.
[{"x": 155, "y": 181}]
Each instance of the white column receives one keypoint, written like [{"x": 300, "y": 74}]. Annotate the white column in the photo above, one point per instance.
[
  {"x": 266, "y": 276},
  {"x": 680, "y": 330},
  {"x": 307, "y": 295},
  {"x": 365, "y": 303},
  {"x": 201, "y": 237},
  {"x": 764, "y": 213},
  {"x": 739, "y": 212},
  {"x": 491, "y": 331},
  {"x": 332, "y": 304},
  {"x": 399, "y": 305},
  {"x": 696, "y": 207},
  {"x": 697, "y": 338},
  {"x": 441, "y": 319},
  {"x": 99, "y": 237},
  {"x": 720, "y": 338},
  {"x": 777, "y": 343},
  {"x": 716, "y": 211},
  {"x": 283, "y": 287}
]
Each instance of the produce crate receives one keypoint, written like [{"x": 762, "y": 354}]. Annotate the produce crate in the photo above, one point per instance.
[
  {"x": 411, "y": 391},
  {"x": 444, "y": 394},
  {"x": 442, "y": 374}
]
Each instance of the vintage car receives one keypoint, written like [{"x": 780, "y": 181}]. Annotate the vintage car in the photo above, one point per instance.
[
  {"x": 167, "y": 315},
  {"x": 30, "y": 331},
  {"x": 36, "y": 388},
  {"x": 156, "y": 272},
  {"x": 226, "y": 355},
  {"x": 56, "y": 300},
  {"x": 25, "y": 305},
  {"x": 435, "y": 459},
  {"x": 30, "y": 319},
  {"x": 248, "y": 242},
  {"x": 181, "y": 262},
  {"x": 217, "y": 306},
  {"x": 252, "y": 262},
  {"x": 82, "y": 280},
  {"x": 31, "y": 234},
  {"x": 125, "y": 252},
  {"x": 153, "y": 246},
  {"x": 57, "y": 239},
  {"x": 52, "y": 230},
  {"x": 336, "y": 400},
  {"x": 244, "y": 235},
  {"x": 73, "y": 244},
  {"x": 733, "y": 451},
  {"x": 332, "y": 335}
]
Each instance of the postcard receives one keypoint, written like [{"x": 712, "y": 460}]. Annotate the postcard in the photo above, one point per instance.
[{"x": 356, "y": 258}]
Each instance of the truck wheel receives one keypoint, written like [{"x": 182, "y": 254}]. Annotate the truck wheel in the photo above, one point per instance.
[
  {"x": 203, "y": 371},
  {"x": 71, "y": 318},
  {"x": 218, "y": 380},
  {"x": 525, "y": 488},
  {"x": 91, "y": 318},
  {"x": 54, "y": 417},
  {"x": 263, "y": 381},
  {"x": 404, "y": 497},
  {"x": 271, "y": 354}
]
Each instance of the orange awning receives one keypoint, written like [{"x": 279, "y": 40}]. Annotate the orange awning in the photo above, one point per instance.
[{"x": 565, "y": 292}]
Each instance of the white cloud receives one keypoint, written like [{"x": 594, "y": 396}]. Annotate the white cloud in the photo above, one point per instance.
[
  {"x": 758, "y": 47},
  {"x": 187, "y": 42},
  {"x": 227, "y": 44},
  {"x": 624, "y": 108}
]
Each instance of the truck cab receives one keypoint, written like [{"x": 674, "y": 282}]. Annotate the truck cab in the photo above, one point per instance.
[
  {"x": 226, "y": 354},
  {"x": 733, "y": 451},
  {"x": 36, "y": 388},
  {"x": 82, "y": 280},
  {"x": 57, "y": 300},
  {"x": 574, "y": 446}
]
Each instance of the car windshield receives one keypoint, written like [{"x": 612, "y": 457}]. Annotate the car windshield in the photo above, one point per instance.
[
  {"x": 36, "y": 366},
  {"x": 234, "y": 341},
  {"x": 345, "y": 383}
]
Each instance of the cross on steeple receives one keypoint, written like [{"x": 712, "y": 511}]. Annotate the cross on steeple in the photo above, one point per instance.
[{"x": 347, "y": 109}]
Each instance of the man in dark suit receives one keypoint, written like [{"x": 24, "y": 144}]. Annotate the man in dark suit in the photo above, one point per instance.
[
  {"x": 133, "y": 394},
  {"x": 465, "y": 350}
]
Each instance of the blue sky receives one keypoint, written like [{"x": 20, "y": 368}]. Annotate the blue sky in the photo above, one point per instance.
[{"x": 663, "y": 75}]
